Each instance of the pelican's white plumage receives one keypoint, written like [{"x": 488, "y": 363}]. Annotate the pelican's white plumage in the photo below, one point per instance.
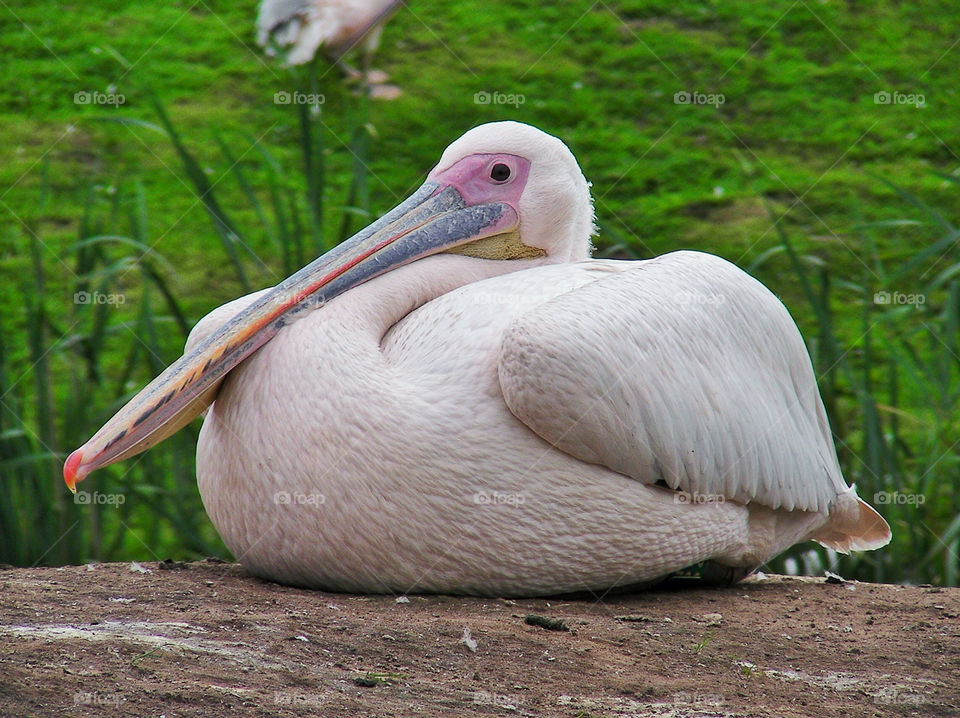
[{"x": 522, "y": 426}]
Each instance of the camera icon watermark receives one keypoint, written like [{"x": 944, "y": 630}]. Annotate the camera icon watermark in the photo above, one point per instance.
[
  {"x": 912, "y": 99},
  {"x": 92, "y": 97},
  {"x": 685, "y": 97},
  {"x": 498, "y": 98}
]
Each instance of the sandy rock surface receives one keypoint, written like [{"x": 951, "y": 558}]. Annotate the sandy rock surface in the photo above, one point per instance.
[{"x": 205, "y": 639}]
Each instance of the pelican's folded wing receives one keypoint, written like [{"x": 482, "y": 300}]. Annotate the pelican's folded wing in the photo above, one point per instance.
[{"x": 682, "y": 369}]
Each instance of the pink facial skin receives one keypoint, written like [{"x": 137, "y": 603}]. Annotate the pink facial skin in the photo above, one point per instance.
[{"x": 471, "y": 176}]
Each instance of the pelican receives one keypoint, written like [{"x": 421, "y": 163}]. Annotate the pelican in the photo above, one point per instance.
[
  {"x": 459, "y": 400},
  {"x": 302, "y": 27}
]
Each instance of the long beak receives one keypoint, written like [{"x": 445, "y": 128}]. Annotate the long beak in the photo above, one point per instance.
[{"x": 434, "y": 219}]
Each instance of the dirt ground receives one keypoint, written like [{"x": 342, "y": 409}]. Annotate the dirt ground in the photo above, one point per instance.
[{"x": 205, "y": 639}]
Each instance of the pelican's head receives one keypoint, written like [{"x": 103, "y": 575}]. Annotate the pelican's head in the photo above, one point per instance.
[
  {"x": 543, "y": 183},
  {"x": 504, "y": 191}
]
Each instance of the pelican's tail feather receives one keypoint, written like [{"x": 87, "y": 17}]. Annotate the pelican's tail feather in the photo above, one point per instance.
[{"x": 854, "y": 525}]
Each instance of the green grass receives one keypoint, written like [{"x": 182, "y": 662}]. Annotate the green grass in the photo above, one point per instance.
[{"x": 797, "y": 156}]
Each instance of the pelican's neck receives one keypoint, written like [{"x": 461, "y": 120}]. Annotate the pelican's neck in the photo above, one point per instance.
[{"x": 385, "y": 300}]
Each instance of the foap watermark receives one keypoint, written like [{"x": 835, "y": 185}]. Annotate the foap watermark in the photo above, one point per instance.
[
  {"x": 912, "y": 99},
  {"x": 86, "y": 498},
  {"x": 687, "y": 297},
  {"x": 897, "y": 695},
  {"x": 486, "y": 299},
  {"x": 899, "y": 298},
  {"x": 685, "y": 97},
  {"x": 96, "y": 698},
  {"x": 298, "y": 302},
  {"x": 499, "y": 299},
  {"x": 684, "y": 497},
  {"x": 498, "y": 98},
  {"x": 291, "y": 698},
  {"x": 499, "y": 498},
  {"x": 500, "y": 700},
  {"x": 298, "y": 498},
  {"x": 298, "y": 98},
  {"x": 99, "y": 298},
  {"x": 698, "y": 697},
  {"x": 92, "y": 97},
  {"x": 898, "y": 498}
]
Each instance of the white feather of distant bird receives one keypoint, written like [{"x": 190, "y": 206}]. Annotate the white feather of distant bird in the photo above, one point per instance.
[
  {"x": 303, "y": 27},
  {"x": 459, "y": 400}
]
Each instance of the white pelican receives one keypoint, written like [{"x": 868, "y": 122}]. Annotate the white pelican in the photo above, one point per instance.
[
  {"x": 457, "y": 399},
  {"x": 301, "y": 28}
]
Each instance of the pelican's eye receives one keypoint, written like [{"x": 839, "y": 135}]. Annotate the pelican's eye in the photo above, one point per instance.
[{"x": 500, "y": 172}]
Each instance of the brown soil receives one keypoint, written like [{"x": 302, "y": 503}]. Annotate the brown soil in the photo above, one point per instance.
[{"x": 205, "y": 639}]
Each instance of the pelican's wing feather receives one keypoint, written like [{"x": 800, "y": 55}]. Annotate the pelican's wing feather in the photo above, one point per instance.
[{"x": 681, "y": 369}]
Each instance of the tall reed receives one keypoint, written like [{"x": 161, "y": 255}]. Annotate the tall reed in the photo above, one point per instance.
[
  {"x": 889, "y": 374},
  {"x": 96, "y": 337}
]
